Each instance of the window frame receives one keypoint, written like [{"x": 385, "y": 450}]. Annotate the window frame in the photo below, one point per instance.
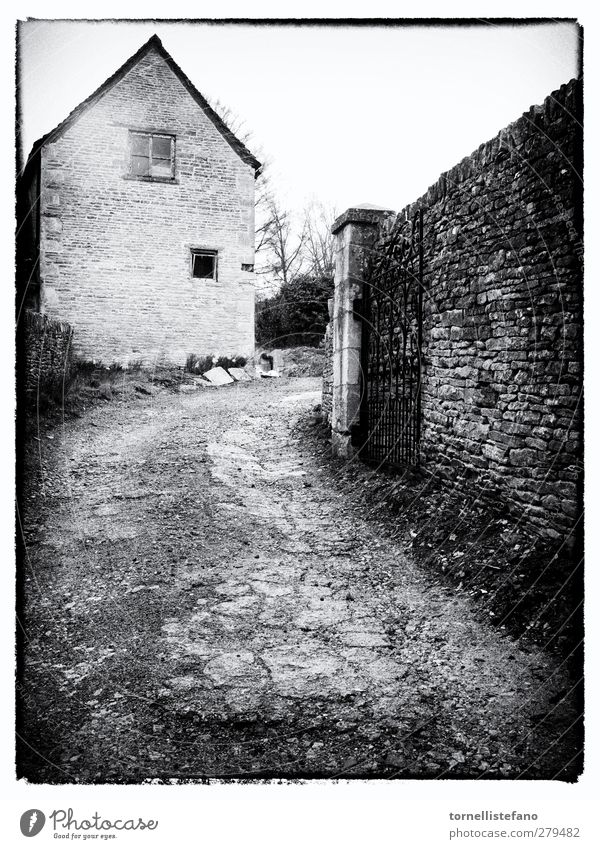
[
  {"x": 150, "y": 177},
  {"x": 211, "y": 252}
]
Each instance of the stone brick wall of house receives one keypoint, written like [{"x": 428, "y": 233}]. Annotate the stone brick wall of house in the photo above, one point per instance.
[
  {"x": 115, "y": 252},
  {"x": 502, "y": 352},
  {"x": 46, "y": 346}
]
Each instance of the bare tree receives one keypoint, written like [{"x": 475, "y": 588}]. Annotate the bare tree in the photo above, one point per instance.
[
  {"x": 263, "y": 189},
  {"x": 319, "y": 243},
  {"x": 263, "y": 212},
  {"x": 284, "y": 247}
]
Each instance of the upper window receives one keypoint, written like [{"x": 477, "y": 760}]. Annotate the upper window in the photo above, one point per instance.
[{"x": 152, "y": 156}]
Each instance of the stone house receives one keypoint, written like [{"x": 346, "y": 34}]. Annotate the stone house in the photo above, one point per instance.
[{"x": 136, "y": 219}]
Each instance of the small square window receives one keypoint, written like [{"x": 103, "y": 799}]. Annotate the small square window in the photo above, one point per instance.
[
  {"x": 247, "y": 266},
  {"x": 204, "y": 264},
  {"x": 152, "y": 156}
]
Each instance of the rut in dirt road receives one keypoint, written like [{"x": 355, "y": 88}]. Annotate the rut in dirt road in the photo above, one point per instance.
[{"x": 200, "y": 600}]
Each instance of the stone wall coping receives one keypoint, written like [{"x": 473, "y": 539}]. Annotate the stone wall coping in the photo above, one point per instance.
[
  {"x": 365, "y": 214},
  {"x": 535, "y": 121}
]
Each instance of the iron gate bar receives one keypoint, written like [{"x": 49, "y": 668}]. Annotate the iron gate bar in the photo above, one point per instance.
[{"x": 389, "y": 428}]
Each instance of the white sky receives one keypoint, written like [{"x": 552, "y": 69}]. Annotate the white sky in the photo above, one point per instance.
[{"x": 347, "y": 115}]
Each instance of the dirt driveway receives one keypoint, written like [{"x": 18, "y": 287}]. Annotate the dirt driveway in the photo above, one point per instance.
[{"x": 201, "y": 600}]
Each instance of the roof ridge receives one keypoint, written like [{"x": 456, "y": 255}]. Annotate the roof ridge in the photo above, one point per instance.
[{"x": 153, "y": 42}]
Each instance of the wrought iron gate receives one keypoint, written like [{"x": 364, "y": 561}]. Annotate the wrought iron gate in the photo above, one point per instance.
[{"x": 390, "y": 416}]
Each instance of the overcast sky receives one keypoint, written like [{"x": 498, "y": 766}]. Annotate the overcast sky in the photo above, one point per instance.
[{"x": 347, "y": 115}]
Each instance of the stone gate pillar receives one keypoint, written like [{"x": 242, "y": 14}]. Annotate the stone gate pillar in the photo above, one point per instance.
[{"x": 355, "y": 231}]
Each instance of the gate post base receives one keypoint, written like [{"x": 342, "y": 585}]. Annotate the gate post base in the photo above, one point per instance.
[{"x": 341, "y": 445}]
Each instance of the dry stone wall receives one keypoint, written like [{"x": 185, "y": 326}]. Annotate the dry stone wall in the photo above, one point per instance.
[
  {"x": 327, "y": 393},
  {"x": 502, "y": 334},
  {"x": 46, "y": 347},
  {"x": 503, "y": 316}
]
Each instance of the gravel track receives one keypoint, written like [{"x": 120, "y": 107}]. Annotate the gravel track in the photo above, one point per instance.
[{"x": 200, "y": 600}]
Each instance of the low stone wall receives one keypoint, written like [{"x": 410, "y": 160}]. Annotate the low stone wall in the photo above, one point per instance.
[
  {"x": 327, "y": 390},
  {"x": 46, "y": 354}
]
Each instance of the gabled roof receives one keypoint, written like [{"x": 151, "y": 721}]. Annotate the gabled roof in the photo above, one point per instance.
[{"x": 153, "y": 43}]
